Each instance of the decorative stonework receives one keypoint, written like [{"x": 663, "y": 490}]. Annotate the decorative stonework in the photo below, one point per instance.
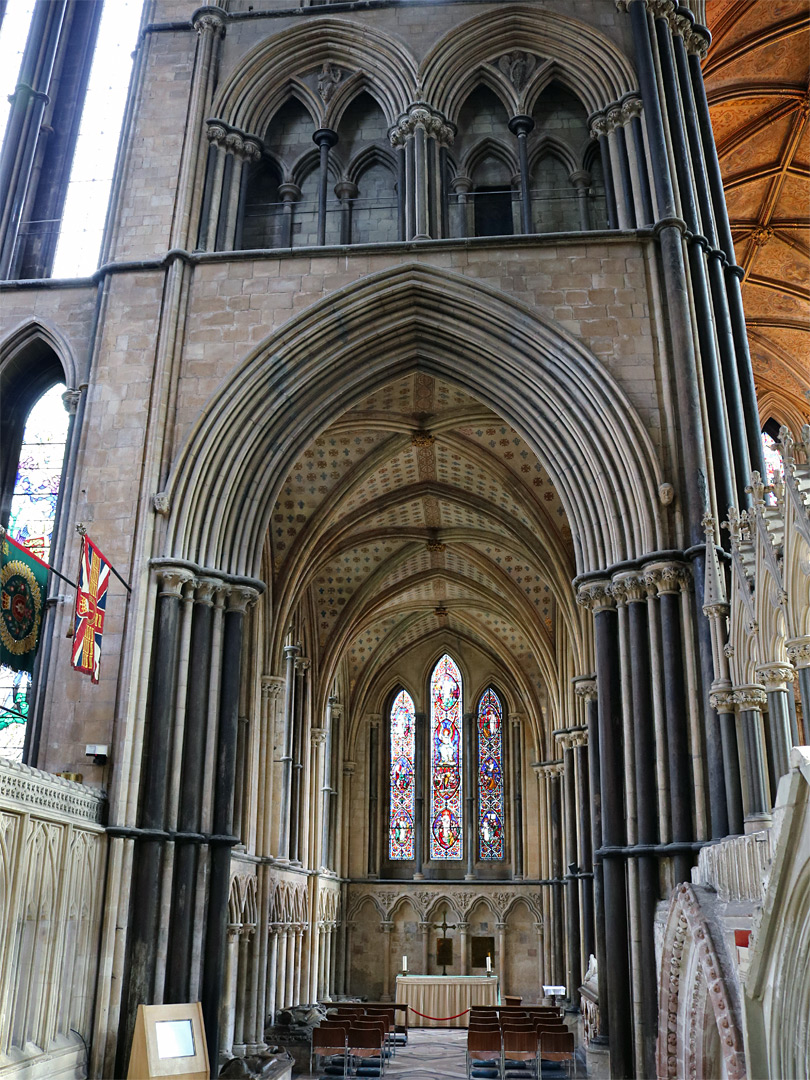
[
  {"x": 328, "y": 80},
  {"x": 518, "y": 67},
  {"x": 738, "y": 867},
  {"x": 432, "y": 122},
  {"x": 429, "y": 896},
  {"x": 43, "y": 793}
]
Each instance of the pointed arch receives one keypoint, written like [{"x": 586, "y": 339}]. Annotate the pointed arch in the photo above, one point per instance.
[
  {"x": 489, "y": 147},
  {"x": 367, "y": 158},
  {"x": 446, "y": 754},
  {"x": 549, "y": 146},
  {"x": 489, "y": 721},
  {"x": 543, "y": 381},
  {"x": 402, "y": 778},
  {"x": 245, "y": 99},
  {"x": 588, "y": 61}
]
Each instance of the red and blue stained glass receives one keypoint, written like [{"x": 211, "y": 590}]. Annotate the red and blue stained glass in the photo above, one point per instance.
[
  {"x": 490, "y": 777},
  {"x": 403, "y": 793},
  {"x": 445, "y": 760}
]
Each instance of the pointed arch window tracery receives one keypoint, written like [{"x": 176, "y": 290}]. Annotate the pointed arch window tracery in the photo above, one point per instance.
[
  {"x": 445, "y": 761},
  {"x": 490, "y": 776},
  {"x": 402, "y": 780}
]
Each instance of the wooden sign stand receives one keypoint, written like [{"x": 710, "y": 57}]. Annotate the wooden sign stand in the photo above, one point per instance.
[{"x": 169, "y": 1041}]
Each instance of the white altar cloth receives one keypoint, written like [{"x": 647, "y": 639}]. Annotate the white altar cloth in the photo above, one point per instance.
[{"x": 445, "y": 995}]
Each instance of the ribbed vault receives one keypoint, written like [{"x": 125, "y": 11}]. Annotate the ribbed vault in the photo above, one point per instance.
[
  {"x": 542, "y": 383},
  {"x": 757, "y": 74}
]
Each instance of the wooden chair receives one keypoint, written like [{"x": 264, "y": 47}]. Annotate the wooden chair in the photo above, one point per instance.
[
  {"x": 366, "y": 1041},
  {"x": 330, "y": 1040},
  {"x": 558, "y": 1046},
  {"x": 385, "y": 1013},
  {"x": 511, "y": 999},
  {"x": 522, "y": 1045},
  {"x": 484, "y": 1046}
]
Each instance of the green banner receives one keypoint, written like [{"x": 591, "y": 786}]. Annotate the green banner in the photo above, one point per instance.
[{"x": 23, "y": 589}]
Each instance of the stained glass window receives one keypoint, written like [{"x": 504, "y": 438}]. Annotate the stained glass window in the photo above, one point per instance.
[
  {"x": 33, "y": 508},
  {"x": 445, "y": 760},
  {"x": 403, "y": 792},
  {"x": 490, "y": 777},
  {"x": 773, "y": 460}
]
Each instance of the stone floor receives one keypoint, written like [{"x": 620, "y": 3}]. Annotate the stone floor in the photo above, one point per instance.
[{"x": 439, "y": 1054}]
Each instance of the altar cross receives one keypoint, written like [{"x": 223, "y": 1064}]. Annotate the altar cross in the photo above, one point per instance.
[{"x": 444, "y": 926}]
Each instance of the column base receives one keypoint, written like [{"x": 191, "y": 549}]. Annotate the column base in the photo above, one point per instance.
[
  {"x": 418, "y": 877},
  {"x": 757, "y": 822},
  {"x": 470, "y": 877}
]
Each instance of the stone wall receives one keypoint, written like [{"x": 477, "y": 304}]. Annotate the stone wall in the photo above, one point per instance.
[{"x": 52, "y": 857}]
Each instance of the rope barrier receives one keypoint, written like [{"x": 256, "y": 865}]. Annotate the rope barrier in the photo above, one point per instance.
[{"x": 426, "y": 1017}]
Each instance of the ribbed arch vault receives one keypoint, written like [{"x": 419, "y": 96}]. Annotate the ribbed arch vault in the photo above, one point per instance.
[{"x": 413, "y": 318}]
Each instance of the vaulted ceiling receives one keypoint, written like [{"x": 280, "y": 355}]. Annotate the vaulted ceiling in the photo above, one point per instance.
[
  {"x": 418, "y": 511},
  {"x": 757, "y": 73}
]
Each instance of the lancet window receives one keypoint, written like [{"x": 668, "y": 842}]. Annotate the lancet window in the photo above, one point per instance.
[
  {"x": 31, "y": 520},
  {"x": 445, "y": 761},
  {"x": 490, "y": 776},
  {"x": 402, "y": 785}
]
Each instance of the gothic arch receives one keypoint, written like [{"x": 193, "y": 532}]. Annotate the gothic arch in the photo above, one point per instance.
[
  {"x": 247, "y": 98},
  {"x": 544, "y": 382},
  {"x": 586, "y": 61},
  {"x": 693, "y": 953}
]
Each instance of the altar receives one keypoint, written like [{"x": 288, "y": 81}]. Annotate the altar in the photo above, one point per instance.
[{"x": 445, "y": 995}]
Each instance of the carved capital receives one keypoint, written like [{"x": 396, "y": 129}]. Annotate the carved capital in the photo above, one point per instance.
[
  {"x": 209, "y": 20},
  {"x": 317, "y": 736},
  {"x": 631, "y": 107},
  {"x": 432, "y": 123},
  {"x": 349, "y": 768},
  {"x": 721, "y": 698},
  {"x": 302, "y": 665},
  {"x": 205, "y": 590},
  {"x": 172, "y": 579},
  {"x": 629, "y": 588},
  {"x": 71, "y": 399},
  {"x": 272, "y": 687},
  {"x": 776, "y": 676},
  {"x": 599, "y": 126},
  {"x": 216, "y": 132},
  {"x": 596, "y": 596},
  {"x": 798, "y": 650},
  {"x": 240, "y": 597},
  {"x": 751, "y": 696},
  {"x": 585, "y": 687},
  {"x": 666, "y": 577}
]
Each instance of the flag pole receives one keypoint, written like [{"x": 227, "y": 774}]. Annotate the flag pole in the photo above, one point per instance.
[
  {"x": 82, "y": 531},
  {"x": 53, "y": 570}
]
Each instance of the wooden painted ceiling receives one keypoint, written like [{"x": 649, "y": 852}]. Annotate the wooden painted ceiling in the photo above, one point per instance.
[{"x": 757, "y": 73}]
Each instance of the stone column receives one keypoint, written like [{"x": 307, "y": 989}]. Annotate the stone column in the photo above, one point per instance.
[
  {"x": 324, "y": 139},
  {"x": 227, "y": 1003},
  {"x": 347, "y": 951},
  {"x": 598, "y": 597},
  {"x": 798, "y": 651},
  {"x": 421, "y": 784},
  {"x": 222, "y": 838},
  {"x": 385, "y": 929},
  {"x": 280, "y": 1001},
  {"x": 342, "y": 864},
  {"x": 599, "y": 131},
  {"x": 585, "y": 689},
  {"x": 417, "y": 130},
  {"x": 750, "y": 701},
  {"x": 517, "y": 795},
  {"x": 291, "y": 653},
  {"x": 290, "y": 195},
  {"x": 462, "y": 186},
  {"x": 373, "y": 799},
  {"x": 777, "y": 679},
  {"x": 463, "y": 929},
  {"x": 669, "y": 579},
  {"x": 333, "y": 784},
  {"x": 298, "y": 811},
  {"x": 554, "y": 772},
  {"x": 271, "y": 687},
  {"x": 241, "y": 1002},
  {"x": 521, "y": 126},
  {"x": 299, "y": 967},
  {"x": 541, "y": 971},
  {"x": 318, "y": 738},
  {"x": 582, "y": 183},
  {"x": 346, "y": 192},
  {"x": 574, "y": 973},
  {"x": 501, "y": 928},
  {"x": 469, "y": 770},
  {"x": 619, "y": 160},
  {"x": 272, "y": 974},
  {"x": 424, "y": 930}
]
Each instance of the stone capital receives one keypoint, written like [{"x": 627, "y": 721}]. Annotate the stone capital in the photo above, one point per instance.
[
  {"x": 216, "y": 132},
  {"x": 71, "y": 399},
  {"x": 666, "y": 577},
  {"x": 631, "y": 106},
  {"x": 596, "y": 596},
  {"x": 775, "y": 676},
  {"x": 240, "y": 597},
  {"x": 302, "y": 665},
  {"x": 272, "y": 686},
  {"x": 317, "y": 736},
  {"x": 349, "y": 768},
  {"x": 421, "y": 115},
  {"x": 374, "y": 720},
  {"x": 289, "y": 192},
  {"x": 172, "y": 579},
  {"x": 205, "y": 590},
  {"x": 751, "y": 696},
  {"x": 798, "y": 650},
  {"x": 209, "y": 20},
  {"x": 629, "y": 588},
  {"x": 585, "y": 687},
  {"x": 721, "y": 697}
]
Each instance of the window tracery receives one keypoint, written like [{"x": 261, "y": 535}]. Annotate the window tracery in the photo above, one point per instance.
[
  {"x": 402, "y": 780},
  {"x": 490, "y": 777},
  {"x": 445, "y": 761}
]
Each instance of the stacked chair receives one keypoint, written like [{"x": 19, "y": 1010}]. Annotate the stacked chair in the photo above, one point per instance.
[
  {"x": 514, "y": 1041},
  {"x": 355, "y": 1039}
]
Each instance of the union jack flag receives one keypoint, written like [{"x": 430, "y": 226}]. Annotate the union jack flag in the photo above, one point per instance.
[{"x": 91, "y": 601}]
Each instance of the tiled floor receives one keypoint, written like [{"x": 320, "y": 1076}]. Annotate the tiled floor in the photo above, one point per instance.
[{"x": 439, "y": 1054}]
